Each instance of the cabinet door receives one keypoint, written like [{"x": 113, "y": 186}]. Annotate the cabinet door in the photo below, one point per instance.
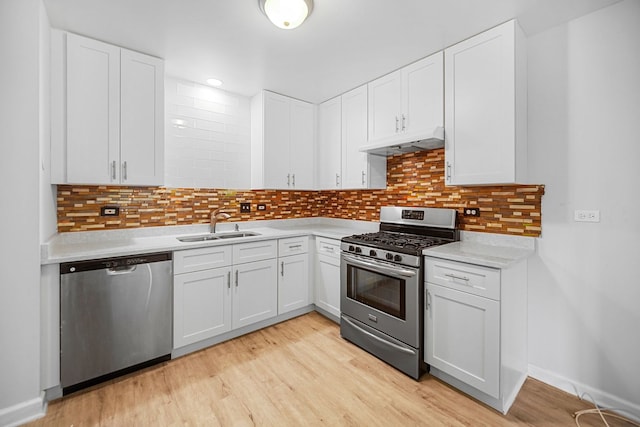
[
  {"x": 480, "y": 108},
  {"x": 328, "y": 148},
  {"x": 141, "y": 119},
  {"x": 354, "y": 135},
  {"x": 423, "y": 100},
  {"x": 277, "y": 114},
  {"x": 301, "y": 145},
  {"x": 199, "y": 259},
  {"x": 255, "y": 292},
  {"x": 293, "y": 283},
  {"x": 327, "y": 283},
  {"x": 385, "y": 106},
  {"x": 202, "y": 305},
  {"x": 463, "y": 337},
  {"x": 254, "y": 251},
  {"x": 93, "y": 111}
]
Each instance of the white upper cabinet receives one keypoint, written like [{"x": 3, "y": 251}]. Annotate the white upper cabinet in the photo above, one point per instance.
[
  {"x": 282, "y": 142},
  {"x": 359, "y": 170},
  {"x": 407, "y": 105},
  {"x": 107, "y": 114},
  {"x": 342, "y": 131},
  {"x": 141, "y": 119},
  {"x": 328, "y": 148},
  {"x": 485, "y": 108}
]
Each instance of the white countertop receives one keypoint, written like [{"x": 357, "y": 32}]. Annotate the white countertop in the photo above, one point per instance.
[
  {"x": 78, "y": 246},
  {"x": 473, "y": 252}
]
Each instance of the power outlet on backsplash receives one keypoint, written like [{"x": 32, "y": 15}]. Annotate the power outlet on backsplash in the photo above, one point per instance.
[
  {"x": 245, "y": 207},
  {"x": 109, "y": 211},
  {"x": 471, "y": 211}
]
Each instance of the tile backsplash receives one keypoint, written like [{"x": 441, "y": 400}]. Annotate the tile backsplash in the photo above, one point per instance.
[{"x": 414, "y": 179}]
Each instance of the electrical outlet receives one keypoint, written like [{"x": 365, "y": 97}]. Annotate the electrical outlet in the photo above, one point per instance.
[
  {"x": 109, "y": 211},
  {"x": 471, "y": 211},
  {"x": 245, "y": 207},
  {"x": 262, "y": 207},
  {"x": 586, "y": 216}
]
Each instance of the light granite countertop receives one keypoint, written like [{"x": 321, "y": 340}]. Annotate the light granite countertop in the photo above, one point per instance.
[
  {"x": 78, "y": 246},
  {"x": 497, "y": 251}
]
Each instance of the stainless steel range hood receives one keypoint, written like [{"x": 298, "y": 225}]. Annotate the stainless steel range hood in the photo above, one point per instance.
[{"x": 407, "y": 145}]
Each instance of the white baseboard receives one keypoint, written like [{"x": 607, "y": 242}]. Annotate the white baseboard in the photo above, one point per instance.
[
  {"x": 23, "y": 412},
  {"x": 603, "y": 399}
]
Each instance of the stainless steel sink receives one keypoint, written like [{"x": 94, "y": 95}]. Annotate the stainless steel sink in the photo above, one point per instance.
[
  {"x": 234, "y": 234},
  {"x": 216, "y": 236}
]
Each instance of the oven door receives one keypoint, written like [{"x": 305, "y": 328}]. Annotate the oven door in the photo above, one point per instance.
[{"x": 382, "y": 295}]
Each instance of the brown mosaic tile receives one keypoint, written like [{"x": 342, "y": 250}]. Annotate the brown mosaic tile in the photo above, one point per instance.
[{"x": 413, "y": 179}]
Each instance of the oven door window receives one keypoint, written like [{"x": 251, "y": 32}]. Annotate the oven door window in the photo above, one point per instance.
[{"x": 377, "y": 290}]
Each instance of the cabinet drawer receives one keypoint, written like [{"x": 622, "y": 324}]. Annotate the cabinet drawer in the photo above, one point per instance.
[
  {"x": 293, "y": 245},
  {"x": 201, "y": 259},
  {"x": 254, "y": 251},
  {"x": 329, "y": 247},
  {"x": 473, "y": 279}
]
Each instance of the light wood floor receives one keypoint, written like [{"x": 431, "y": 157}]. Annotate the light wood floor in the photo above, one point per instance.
[{"x": 297, "y": 373}]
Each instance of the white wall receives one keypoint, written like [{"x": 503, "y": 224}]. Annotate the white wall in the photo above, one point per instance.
[
  {"x": 19, "y": 218},
  {"x": 212, "y": 148},
  {"x": 584, "y": 144}
]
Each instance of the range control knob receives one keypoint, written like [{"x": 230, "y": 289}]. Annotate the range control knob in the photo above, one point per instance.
[
  {"x": 397, "y": 258},
  {"x": 351, "y": 248},
  {"x": 372, "y": 253},
  {"x": 389, "y": 256},
  {"x": 358, "y": 250}
]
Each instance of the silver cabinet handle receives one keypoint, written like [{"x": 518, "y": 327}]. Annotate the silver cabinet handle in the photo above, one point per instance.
[
  {"x": 448, "y": 171},
  {"x": 428, "y": 301},
  {"x": 113, "y": 170},
  {"x": 363, "y": 175},
  {"x": 282, "y": 268},
  {"x": 294, "y": 246},
  {"x": 288, "y": 180},
  {"x": 236, "y": 278},
  {"x": 229, "y": 279},
  {"x": 404, "y": 119},
  {"x": 337, "y": 180},
  {"x": 124, "y": 170},
  {"x": 397, "y": 128},
  {"x": 293, "y": 180},
  {"x": 328, "y": 248},
  {"x": 453, "y": 276}
]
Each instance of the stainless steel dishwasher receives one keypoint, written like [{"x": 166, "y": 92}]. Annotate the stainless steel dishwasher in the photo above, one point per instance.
[{"x": 115, "y": 317}]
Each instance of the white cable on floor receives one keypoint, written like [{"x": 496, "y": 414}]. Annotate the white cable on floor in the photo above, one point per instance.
[{"x": 601, "y": 412}]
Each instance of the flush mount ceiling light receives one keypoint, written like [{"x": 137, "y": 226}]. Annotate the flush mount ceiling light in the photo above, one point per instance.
[
  {"x": 286, "y": 14},
  {"x": 214, "y": 82}
]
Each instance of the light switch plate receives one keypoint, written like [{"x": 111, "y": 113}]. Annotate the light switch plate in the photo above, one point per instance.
[{"x": 586, "y": 216}]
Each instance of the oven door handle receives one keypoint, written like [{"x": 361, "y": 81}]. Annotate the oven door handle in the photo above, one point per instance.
[
  {"x": 391, "y": 270},
  {"x": 377, "y": 338}
]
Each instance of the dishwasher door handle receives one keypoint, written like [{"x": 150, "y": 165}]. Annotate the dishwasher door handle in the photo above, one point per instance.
[{"x": 114, "y": 271}]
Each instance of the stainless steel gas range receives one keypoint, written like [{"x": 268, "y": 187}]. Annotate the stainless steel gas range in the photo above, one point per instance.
[{"x": 382, "y": 283}]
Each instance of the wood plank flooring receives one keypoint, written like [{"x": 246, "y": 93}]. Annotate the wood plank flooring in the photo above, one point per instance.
[{"x": 297, "y": 373}]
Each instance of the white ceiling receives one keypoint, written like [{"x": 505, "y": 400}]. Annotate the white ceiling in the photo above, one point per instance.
[{"x": 343, "y": 43}]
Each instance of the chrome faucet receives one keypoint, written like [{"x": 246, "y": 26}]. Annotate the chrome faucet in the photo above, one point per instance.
[{"x": 215, "y": 215}]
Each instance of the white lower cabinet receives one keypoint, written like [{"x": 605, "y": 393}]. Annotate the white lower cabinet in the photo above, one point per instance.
[
  {"x": 463, "y": 337},
  {"x": 293, "y": 275},
  {"x": 255, "y": 292},
  {"x": 476, "y": 328},
  {"x": 327, "y": 276},
  {"x": 202, "y": 305},
  {"x": 293, "y": 283},
  {"x": 221, "y": 288}
]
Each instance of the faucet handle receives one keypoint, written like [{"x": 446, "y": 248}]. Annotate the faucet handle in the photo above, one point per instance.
[{"x": 237, "y": 227}]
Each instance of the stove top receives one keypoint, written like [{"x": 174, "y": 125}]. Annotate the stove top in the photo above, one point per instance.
[
  {"x": 405, "y": 231},
  {"x": 398, "y": 242}
]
